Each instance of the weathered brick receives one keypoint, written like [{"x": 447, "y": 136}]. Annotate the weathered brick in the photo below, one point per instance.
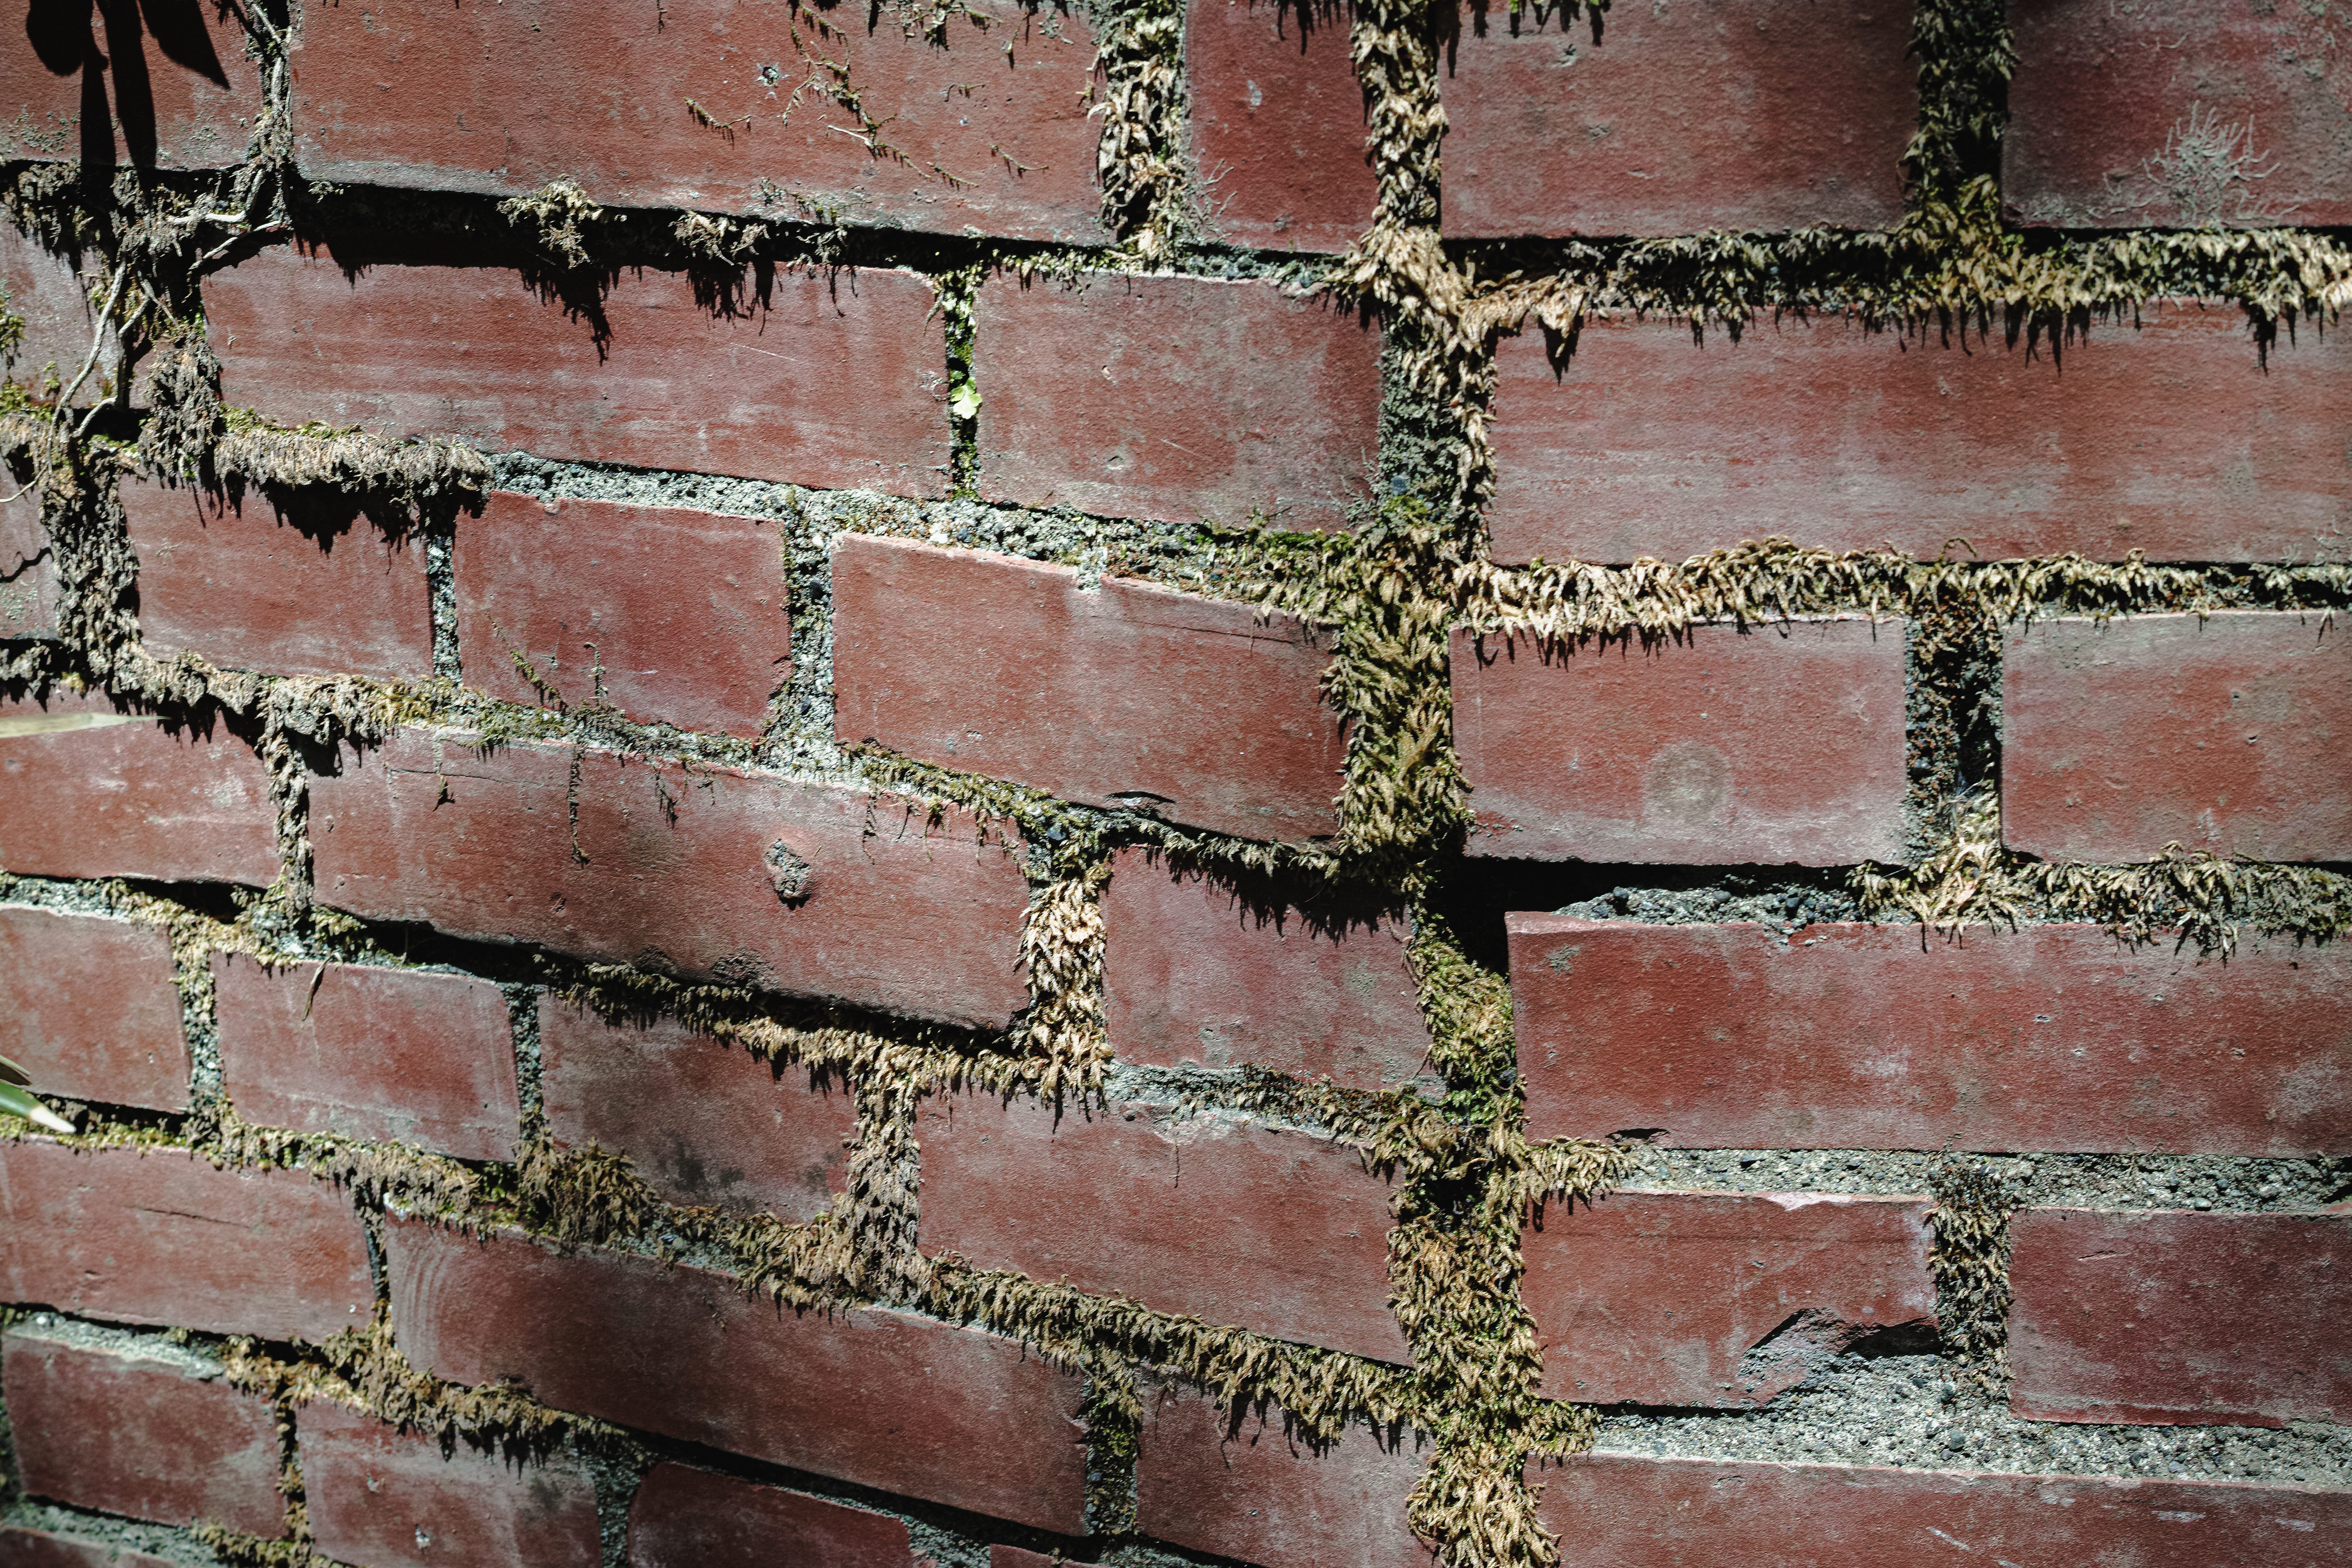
[
  {"x": 367, "y": 1052},
  {"x": 1281, "y": 1233},
  {"x": 178, "y": 93},
  {"x": 692, "y": 1518},
  {"x": 141, "y": 1429},
  {"x": 1278, "y": 122},
  {"x": 683, "y": 867},
  {"x": 1647, "y": 443},
  {"x": 29, "y": 575},
  {"x": 687, "y": 105},
  {"x": 1770, "y": 745},
  {"x": 22, "y": 1546},
  {"x": 160, "y": 1236},
  {"x": 89, "y": 1008},
  {"x": 1717, "y": 1298},
  {"x": 2230, "y": 732},
  {"x": 2173, "y": 114},
  {"x": 1613, "y": 1509},
  {"x": 1238, "y": 1485},
  {"x": 1176, "y": 398},
  {"x": 1675, "y": 119},
  {"x": 52, "y": 300},
  {"x": 666, "y": 613},
  {"x": 2170, "y": 1316},
  {"x": 703, "y": 1121},
  {"x": 87, "y": 791},
  {"x": 1861, "y": 1036},
  {"x": 1197, "y": 972},
  {"x": 392, "y": 1500},
  {"x": 873, "y": 1396},
  {"x": 409, "y": 349},
  {"x": 1070, "y": 689},
  {"x": 1002, "y": 1556},
  {"x": 322, "y": 591}
]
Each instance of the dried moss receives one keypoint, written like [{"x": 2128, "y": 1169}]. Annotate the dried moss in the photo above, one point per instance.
[{"x": 1970, "y": 1262}]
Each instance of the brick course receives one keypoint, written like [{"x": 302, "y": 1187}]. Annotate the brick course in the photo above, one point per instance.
[
  {"x": 364, "y": 1052},
  {"x": 89, "y": 1008},
  {"x": 1858, "y": 1036},
  {"x": 1281, "y": 1233},
  {"x": 686, "y": 1517},
  {"x": 2229, "y": 734},
  {"x": 22, "y": 1546},
  {"x": 28, "y": 576},
  {"x": 1278, "y": 122},
  {"x": 1068, "y": 689},
  {"x": 52, "y": 300},
  {"x": 178, "y": 93},
  {"x": 1774, "y": 744}
]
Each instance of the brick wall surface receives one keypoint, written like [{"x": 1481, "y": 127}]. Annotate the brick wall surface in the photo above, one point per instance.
[{"x": 1200, "y": 782}]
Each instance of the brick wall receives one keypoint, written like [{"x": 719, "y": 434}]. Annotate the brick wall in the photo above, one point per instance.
[{"x": 1153, "y": 783}]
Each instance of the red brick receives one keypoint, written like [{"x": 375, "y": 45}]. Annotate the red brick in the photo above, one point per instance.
[
  {"x": 692, "y": 1518},
  {"x": 1002, "y": 1556},
  {"x": 1649, "y": 444},
  {"x": 1860, "y": 1036},
  {"x": 364, "y": 1052},
  {"x": 88, "y": 1007},
  {"x": 666, "y": 613},
  {"x": 1669, "y": 1298},
  {"x": 871, "y": 1396},
  {"x": 417, "y": 350},
  {"x": 21, "y": 1546},
  {"x": 1610, "y": 1510},
  {"x": 1279, "y": 127},
  {"x": 125, "y": 1430},
  {"x": 28, "y": 576},
  {"x": 2108, "y": 103},
  {"x": 51, "y": 298},
  {"x": 87, "y": 791},
  {"x": 179, "y": 93},
  {"x": 1742, "y": 114},
  {"x": 2169, "y": 1316},
  {"x": 1176, "y": 398},
  {"x": 2230, "y": 733},
  {"x": 670, "y": 865},
  {"x": 1070, "y": 689},
  {"x": 1244, "y": 1487},
  {"x": 391, "y": 1499},
  {"x": 1281, "y": 1233},
  {"x": 1198, "y": 973},
  {"x": 321, "y": 592},
  {"x": 990, "y": 127},
  {"x": 703, "y": 1121},
  {"x": 1772, "y": 744},
  {"x": 160, "y": 1236}
]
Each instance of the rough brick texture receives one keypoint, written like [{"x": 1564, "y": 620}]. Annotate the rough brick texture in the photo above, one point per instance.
[
  {"x": 1675, "y": 119},
  {"x": 163, "y": 1237},
  {"x": 874, "y": 1396},
  {"x": 1718, "y": 1299},
  {"x": 22, "y": 1546},
  {"x": 1769, "y": 745},
  {"x": 1647, "y": 444},
  {"x": 1281, "y": 1233},
  {"x": 705, "y": 1123},
  {"x": 29, "y": 575},
  {"x": 95, "y": 84},
  {"x": 1238, "y": 1485},
  {"x": 667, "y": 614},
  {"x": 989, "y": 132},
  {"x": 1069, "y": 688},
  {"x": 643, "y": 858},
  {"x": 1613, "y": 1509},
  {"x": 2229, "y": 734},
  {"x": 87, "y": 791},
  {"x": 134, "y": 1429},
  {"x": 2172, "y": 1316},
  {"x": 362, "y": 1052},
  {"x": 686, "y": 1517},
  {"x": 1278, "y": 122},
  {"x": 1197, "y": 972},
  {"x": 60, "y": 324},
  {"x": 322, "y": 591},
  {"x": 89, "y": 1008},
  {"x": 2173, "y": 113},
  {"x": 406, "y": 348},
  {"x": 392, "y": 1500},
  {"x": 1856, "y": 1036},
  {"x": 1177, "y": 398}
]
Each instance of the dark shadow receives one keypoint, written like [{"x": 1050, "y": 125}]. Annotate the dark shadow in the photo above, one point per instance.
[{"x": 65, "y": 35}]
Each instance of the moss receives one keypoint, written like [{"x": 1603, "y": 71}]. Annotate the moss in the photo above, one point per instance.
[{"x": 1970, "y": 1262}]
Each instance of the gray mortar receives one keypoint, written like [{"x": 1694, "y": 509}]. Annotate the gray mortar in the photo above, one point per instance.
[
  {"x": 522, "y": 1019},
  {"x": 441, "y": 586},
  {"x": 1905, "y": 1410},
  {"x": 107, "y": 1531},
  {"x": 2228, "y": 1183},
  {"x": 614, "y": 1478},
  {"x": 1785, "y": 907},
  {"x": 182, "y": 1354}
]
